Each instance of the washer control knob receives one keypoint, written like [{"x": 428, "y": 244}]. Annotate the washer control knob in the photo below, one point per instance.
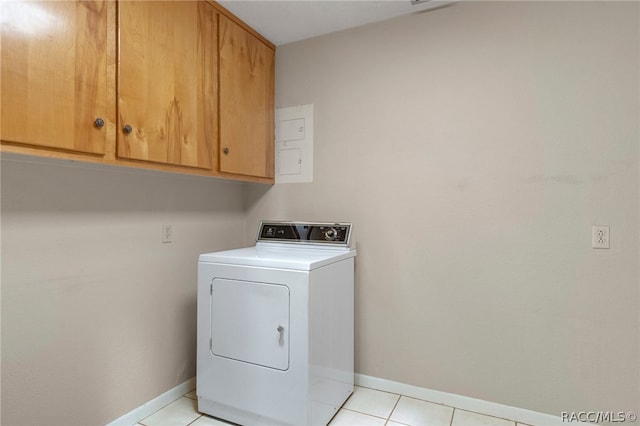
[{"x": 331, "y": 234}]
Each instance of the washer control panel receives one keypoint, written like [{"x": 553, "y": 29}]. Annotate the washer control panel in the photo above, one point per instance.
[{"x": 304, "y": 232}]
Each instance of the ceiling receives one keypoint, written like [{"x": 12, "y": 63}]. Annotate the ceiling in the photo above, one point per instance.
[{"x": 286, "y": 21}]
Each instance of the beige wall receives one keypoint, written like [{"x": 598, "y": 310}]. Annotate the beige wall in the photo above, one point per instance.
[
  {"x": 474, "y": 147},
  {"x": 98, "y": 316}
]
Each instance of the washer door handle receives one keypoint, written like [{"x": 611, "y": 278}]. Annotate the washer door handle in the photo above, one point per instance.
[{"x": 280, "y": 330}]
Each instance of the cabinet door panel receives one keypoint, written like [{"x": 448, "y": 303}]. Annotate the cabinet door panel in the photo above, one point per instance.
[
  {"x": 54, "y": 74},
  {"x": 246, "y": 102},
  {"x": 167, "y": 82}
]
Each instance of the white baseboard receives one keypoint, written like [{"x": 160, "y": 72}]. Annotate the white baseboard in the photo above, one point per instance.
[
  {"x": 494, "y": 409},
  {"x": 146, "y": 409}
]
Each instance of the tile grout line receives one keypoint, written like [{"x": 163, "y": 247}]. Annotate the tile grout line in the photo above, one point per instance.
[
  {"x": 515, "y": 422},
  {"x": 393, "y": 409},
  {"x": 361, "y": 412},
  {"x": 194, "y": 420}
]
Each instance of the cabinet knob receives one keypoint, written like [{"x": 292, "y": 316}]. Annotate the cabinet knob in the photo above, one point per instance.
[
  {"x": 99, "y": 123},
  {"x": 226, "y": 151},
  {"x": 127, "y": 129}
]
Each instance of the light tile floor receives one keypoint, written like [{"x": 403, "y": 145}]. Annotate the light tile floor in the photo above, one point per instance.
[{"x": 365, "y": 407}]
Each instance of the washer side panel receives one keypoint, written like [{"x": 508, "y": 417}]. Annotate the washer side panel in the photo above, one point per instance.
[{"x": 331, "y": 321}]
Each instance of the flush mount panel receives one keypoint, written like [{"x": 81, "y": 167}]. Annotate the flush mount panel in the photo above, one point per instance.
[
  {"x": 250, "y": 322},
  {"x": 289, "y": 161},
  {"x": 294, "y": 144}
]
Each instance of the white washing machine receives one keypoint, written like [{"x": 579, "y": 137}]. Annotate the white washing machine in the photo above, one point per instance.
[{"x": 275, "y": 326}]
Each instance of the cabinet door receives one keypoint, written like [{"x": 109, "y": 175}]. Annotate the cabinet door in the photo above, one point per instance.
[
  {"x": 246, "y": 102},
  {"x": 167, "y": 82},
  {"x": 54, "y": 74}
]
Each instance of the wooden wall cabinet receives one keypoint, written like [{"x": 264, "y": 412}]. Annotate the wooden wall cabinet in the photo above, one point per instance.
[
  {"x": 54, "y": 75},
  {"x": 246, "y": 102},
  {"x": 167, "y": 82},
  {"x": 182, "y": 86}
]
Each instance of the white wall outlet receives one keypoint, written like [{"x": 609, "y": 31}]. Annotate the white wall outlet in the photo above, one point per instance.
[
  {"x": 167, "y": 233},
  {"x": 600, "y": 237}
]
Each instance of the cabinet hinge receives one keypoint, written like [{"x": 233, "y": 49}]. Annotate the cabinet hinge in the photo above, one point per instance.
[{"x": 211, "y": 289}]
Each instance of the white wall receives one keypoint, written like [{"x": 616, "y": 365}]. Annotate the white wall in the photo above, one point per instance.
[
  {"x": 98, "y": 316},
  {"x": 473, "y": 147}
]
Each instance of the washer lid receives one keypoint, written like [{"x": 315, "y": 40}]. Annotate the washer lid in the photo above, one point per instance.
[{"x": 280, "y": 256}]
